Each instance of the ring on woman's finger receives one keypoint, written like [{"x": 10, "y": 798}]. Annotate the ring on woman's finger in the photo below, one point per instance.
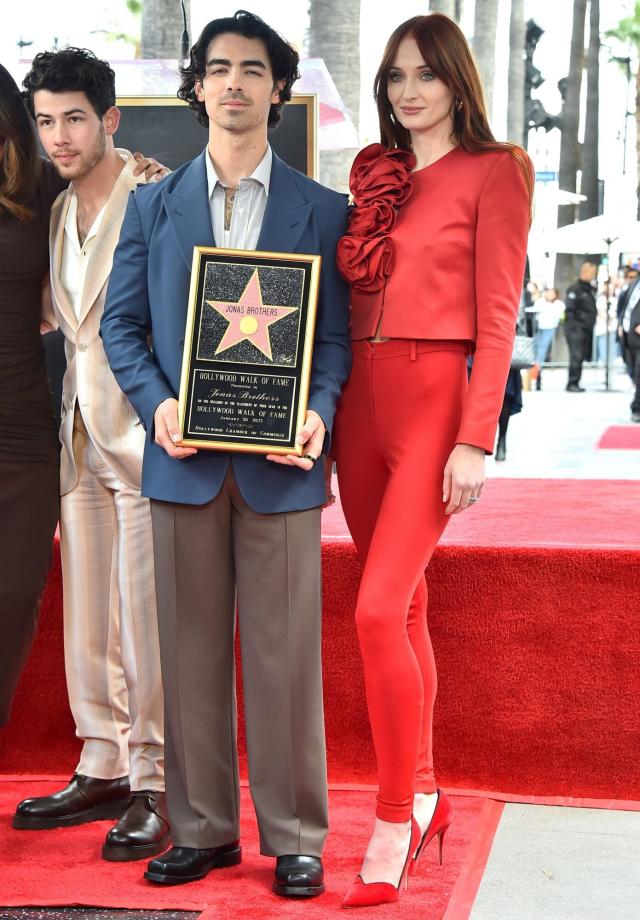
[
  {"x": 314, "y": 460},
  {"x": 473, "y": 499}
]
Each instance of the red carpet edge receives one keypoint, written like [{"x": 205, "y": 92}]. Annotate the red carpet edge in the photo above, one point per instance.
[{"x": 468, "y": 883}]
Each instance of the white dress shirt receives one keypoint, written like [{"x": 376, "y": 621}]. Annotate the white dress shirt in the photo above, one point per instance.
[
  {"x": 248, "y": 207},
  {"x": 75, "y": 258}
]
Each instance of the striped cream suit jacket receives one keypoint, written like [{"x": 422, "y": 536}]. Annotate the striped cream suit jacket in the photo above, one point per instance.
[{"x": 110, "y": 419}]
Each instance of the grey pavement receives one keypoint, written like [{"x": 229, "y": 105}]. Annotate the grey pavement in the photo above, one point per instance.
[
  {"x": 551, "y": 863},
  {"x": 547, "y": 862},
  {"x": 555, "y": 435}
]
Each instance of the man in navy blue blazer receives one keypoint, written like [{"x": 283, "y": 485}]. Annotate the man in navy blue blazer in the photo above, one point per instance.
[{"x": 225, "y": 527}]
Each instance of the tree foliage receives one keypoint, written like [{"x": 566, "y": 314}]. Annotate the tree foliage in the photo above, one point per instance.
[
  {"x": 628, "y": 29},
  {"x": 628, "y": 32}
]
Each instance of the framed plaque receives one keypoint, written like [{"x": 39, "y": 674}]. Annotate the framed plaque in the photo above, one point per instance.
[{"x": 248, "y": 348}]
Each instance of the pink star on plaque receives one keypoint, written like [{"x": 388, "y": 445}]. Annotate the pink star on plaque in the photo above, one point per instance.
[{"x": 249, "y": 318}]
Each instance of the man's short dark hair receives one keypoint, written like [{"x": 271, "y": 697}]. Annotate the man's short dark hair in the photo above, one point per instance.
[
  {"x": 283, "y": 58},
  {"x": 72, "y": 70}
]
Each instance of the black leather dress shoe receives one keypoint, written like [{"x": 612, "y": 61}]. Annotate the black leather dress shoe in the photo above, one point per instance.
[
  {"x": 84, "y": 799},
  {"x": 142, "y": 831},
  {"x": 186, "y": 864},
  {"x": 299, "y": 876},
  {"x": 575, "y": 388}
]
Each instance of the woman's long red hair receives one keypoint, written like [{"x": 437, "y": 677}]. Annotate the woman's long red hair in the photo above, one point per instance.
[{"x": 446, "y": 52}]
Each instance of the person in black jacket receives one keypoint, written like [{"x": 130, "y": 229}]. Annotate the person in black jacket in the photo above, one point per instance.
[
  {"x": 580, "y": 313},
  {"x": 630, "y": 275},
  {"x": 629, "y": 334}
]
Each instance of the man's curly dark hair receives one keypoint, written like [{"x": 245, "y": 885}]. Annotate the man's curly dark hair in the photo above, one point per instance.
[
  {"x": 284, "y": 60},
  {"x": 72, "y": 70}
]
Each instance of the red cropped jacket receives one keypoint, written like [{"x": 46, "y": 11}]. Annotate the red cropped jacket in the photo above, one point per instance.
[{"x": 454, "y": 270}]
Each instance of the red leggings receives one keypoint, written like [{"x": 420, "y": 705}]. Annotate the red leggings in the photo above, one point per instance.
[{"x": 395, "y": 428}]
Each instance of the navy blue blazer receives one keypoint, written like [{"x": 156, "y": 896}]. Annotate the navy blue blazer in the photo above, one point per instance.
[{"x": 148, "y": 295}]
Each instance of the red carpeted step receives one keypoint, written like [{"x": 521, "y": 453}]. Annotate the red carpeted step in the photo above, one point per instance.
[
  {"x": 63, "y": 867},
  {"x": 620, "y": 437},
  {"x": 537, "y": 650},
  {"x": 537, "y": 653}
]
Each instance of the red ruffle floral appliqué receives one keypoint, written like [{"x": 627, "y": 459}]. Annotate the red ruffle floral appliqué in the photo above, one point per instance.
[{"x": 380, "y": 182}]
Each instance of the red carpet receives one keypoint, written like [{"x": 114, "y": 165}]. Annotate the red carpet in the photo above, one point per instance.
[
  {"x": 533, "y": 614},
  {"x": 620, "y": 437},
  {"x": 63, "y": 867}
]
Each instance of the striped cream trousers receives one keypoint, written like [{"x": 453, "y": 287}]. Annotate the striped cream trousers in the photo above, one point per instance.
[{"x": 112, "y": 656}]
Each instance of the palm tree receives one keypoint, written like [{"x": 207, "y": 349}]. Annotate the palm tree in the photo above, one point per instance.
[
  {"x": 515, "y": 112},
  {"x": 628, "y": 31},
  {"x": 128, "y": 32},
  {"x": 569, "y": 146},
  {"x": 589, "y": 153},
  {"x": 162, "y": 28},
  {"x": 451, "y": 8},
  {"x": 340, "y": 50},
  {"x": 485, "y": 22}
]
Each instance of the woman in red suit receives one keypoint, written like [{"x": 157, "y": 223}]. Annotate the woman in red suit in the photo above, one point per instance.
[{"x": 435, "y": 256}]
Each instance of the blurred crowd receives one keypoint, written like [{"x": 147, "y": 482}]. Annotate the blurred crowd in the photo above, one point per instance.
[{"x": 600, "y": 323}]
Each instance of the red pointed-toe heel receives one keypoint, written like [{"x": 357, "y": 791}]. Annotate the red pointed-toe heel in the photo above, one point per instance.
[
  {"x": 370, "y": 894},
  {"x": 438, "y": 827}
]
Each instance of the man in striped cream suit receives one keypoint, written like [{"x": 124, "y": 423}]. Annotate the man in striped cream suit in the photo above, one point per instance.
[{"x": 110, "y": 622}]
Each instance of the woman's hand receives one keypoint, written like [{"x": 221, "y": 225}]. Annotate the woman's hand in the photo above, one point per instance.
[{"x": 463, "y": 478}]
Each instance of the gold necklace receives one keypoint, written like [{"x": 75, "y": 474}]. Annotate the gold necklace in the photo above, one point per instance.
[{"x": 229, "y": 198}]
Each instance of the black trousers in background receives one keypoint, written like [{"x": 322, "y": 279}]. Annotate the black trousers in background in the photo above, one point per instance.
[
  {"x": 503, "y": 421},
  {"x": 634, "y": 365},
  {"x": 29, "y": 502},
  {"x": 579, "y": 341}
]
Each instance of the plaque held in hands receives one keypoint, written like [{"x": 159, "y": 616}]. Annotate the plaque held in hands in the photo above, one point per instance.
[{"x": 248, "y": 347}]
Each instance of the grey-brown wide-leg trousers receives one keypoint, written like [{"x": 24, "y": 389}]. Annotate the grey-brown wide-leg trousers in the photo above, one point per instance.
[{"x": 204, "y": 555}]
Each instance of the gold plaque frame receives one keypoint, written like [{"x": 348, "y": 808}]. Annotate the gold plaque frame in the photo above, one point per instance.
[{"x": 246, "y": 387}]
